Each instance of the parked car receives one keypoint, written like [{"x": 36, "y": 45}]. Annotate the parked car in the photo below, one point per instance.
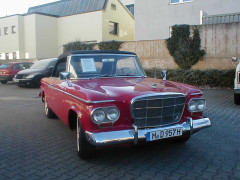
[
  {"x": 237, "y": 82},
  {"x": 9, "y": 70},
  {"x": 31, "y": 77},
  {"x": 109, "y": 99}
]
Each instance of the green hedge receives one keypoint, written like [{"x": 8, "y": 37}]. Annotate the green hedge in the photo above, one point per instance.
[
  {"x": 110, "y": 45},
  {"x": 77, "y": 45},
  {"x": 211, "y": 77}
]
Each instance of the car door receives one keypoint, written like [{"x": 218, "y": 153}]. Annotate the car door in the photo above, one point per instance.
[{"x": 58, "y": 87}]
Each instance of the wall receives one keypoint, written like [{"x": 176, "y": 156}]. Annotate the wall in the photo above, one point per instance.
[
  {"x": 30, "y": 36},
  {"x": 11, "y": 42},
  {"x": 82, "y": 27},
  {"x": 221, "y": 43},
  {"x": 46, "y": 37},
  {"x": 154, "y": 17},
  {"x": 124, "y": 19}
]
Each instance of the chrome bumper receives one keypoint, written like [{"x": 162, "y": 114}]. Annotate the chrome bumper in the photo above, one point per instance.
[
  {"x": 135, "y": 134},
  {"x": 237, "y": 90}
]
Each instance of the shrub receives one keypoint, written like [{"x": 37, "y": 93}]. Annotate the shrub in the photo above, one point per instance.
[
  {"x": 77, "y": 45},
  {"x": 184, "y": 49},
  {"x": 210, "y": 77},
  {"x": 110, "y": 45}
]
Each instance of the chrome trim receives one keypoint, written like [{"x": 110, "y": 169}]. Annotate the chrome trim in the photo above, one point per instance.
[
  {"x": 151, "y": 95},
  {"x": 133, "y": 135},
  {"x": 237, "y": 90},
  {"x": 89, "y": 102},
  {"x": 190, "y": 122},
  {"x": 194, "y": 94}
]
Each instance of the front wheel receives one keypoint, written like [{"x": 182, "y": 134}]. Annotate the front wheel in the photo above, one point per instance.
[
  {"x": 47, "y": 110},
  {"x": 3, "y": 82},
  {"x": 237, "y": 98},
  {"x": 84, "y": 149}
]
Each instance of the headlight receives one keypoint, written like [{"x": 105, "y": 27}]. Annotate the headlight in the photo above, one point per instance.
[
  {"x": 197, "y": 105},
  {"x": 105, "y": 115},
  {"x": 30, "y": 76}
]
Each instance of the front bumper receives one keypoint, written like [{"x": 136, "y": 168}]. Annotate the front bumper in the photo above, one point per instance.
[
  {"x": 135, "y": 134},
  {"x": 24, "y": 82},
  {"x": 6, "y": 78},
  {"x": 237, "y": 90}
]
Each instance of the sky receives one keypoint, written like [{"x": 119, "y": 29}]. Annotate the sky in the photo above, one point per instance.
[{"x": 10, "y": 7}]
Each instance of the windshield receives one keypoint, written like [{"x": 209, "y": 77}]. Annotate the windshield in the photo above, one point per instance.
[
  {"x": 5, "y": 66},
  {"x": 42, "y": 64},
  {"x": 104, "y": 65}
]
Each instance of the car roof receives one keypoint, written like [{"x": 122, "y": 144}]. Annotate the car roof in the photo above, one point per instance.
[
  {"x": 50, "y": 59},
  {"x": 12, "y": 63},
  {"x": 95, "y": 52}
]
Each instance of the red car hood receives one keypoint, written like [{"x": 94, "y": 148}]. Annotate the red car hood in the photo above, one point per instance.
[{"x": 119, "y": 88}]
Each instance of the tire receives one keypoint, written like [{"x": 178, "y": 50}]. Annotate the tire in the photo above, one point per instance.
[
  {"x": 48, "y": 111},
  {"x": 3, "y": 82},
  {"x": 237, "y": 98},
  {"x": 84, "y": 148}
]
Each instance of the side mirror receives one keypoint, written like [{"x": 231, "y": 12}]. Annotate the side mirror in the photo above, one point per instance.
[
  {"x": 164, "y": 74},
  {"x": 234, "y": 59},
  {"x": 64, "y": 75}
]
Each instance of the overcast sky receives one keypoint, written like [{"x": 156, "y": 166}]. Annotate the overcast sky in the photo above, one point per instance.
[{"x": 10, "y": 7}]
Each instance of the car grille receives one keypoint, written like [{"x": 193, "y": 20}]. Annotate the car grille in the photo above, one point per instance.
[
  {"x": 157, "y": 110},
  {"x": 20, "y": 76}
]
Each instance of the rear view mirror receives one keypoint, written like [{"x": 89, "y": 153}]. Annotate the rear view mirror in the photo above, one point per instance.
[{"x": 64, "y": 75}]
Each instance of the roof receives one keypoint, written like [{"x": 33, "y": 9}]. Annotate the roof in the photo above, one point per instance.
[
  {"x": 95, "y": 52},
  {"x": 69, "y": 7}
]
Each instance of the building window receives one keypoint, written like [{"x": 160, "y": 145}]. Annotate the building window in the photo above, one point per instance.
[
  {"x": 13, "y": 29},
  {"x": 7, "y": 56},
  {"x": 179, "y": 1},
  {"x": 113, "y": 28},
  {"x": 5, "y": 30},
  {"x": 113, "y": 6}
]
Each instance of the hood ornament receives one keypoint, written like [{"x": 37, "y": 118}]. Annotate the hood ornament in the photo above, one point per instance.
[{"x": 164, "y": 75}]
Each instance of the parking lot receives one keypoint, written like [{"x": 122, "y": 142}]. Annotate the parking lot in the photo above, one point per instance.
[{"x": 34, "y": 147}]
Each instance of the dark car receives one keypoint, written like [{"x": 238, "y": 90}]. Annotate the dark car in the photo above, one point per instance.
[
  {"x": 31, "y": 77},
  {"x": 9, "y": 70}
]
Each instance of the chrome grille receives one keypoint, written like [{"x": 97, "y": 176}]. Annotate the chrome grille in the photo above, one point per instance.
[{"x": 157, "y": 110}]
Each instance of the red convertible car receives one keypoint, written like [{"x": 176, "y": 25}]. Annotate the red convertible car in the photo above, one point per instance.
[{"x": 107, "y": 97}]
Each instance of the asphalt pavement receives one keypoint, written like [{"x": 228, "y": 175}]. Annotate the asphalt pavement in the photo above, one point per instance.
[{"x": 34, "y": 147}]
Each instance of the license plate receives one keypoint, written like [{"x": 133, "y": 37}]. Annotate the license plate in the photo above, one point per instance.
[
  {"x": 16, "y": 80},
  {"x": 162, "y": 134}
]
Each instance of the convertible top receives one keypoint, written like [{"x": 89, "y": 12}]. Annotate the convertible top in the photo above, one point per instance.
[{"x": 95, "y": 52}]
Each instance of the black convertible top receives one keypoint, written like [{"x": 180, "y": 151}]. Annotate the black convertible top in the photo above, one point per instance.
[{"x": 95, "y": 52}]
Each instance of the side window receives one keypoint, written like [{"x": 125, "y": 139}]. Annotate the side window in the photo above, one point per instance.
[
  {"x": 16, "y": 66},
  {"x": 21, "y": 66},
  {"x": 60, "y": 67}
]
